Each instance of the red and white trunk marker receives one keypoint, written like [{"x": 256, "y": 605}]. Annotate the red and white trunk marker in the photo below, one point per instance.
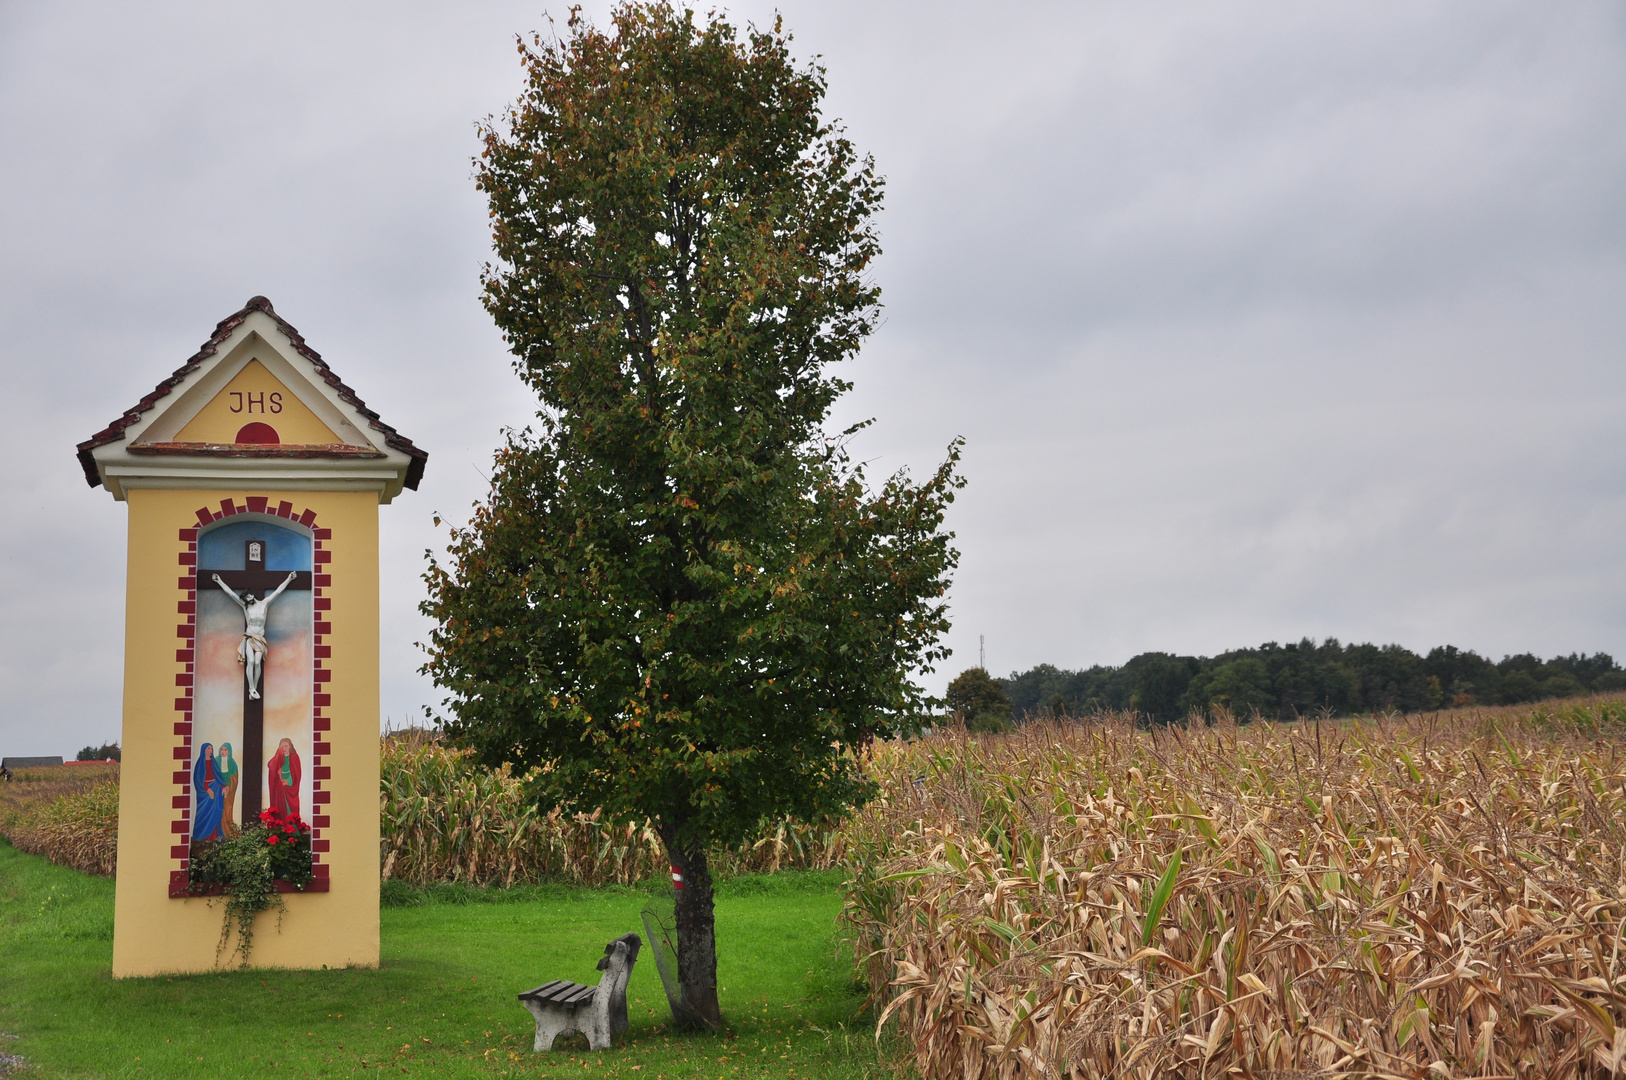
[{"x": 677, "y": 877}]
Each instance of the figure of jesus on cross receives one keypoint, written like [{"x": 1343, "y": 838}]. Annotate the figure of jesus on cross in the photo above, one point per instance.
[
  {"x": 252, "y": 588},
  {"x": 252, "y": 649}
]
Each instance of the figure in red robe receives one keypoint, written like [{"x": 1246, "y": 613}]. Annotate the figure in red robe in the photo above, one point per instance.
[{"x": 282, "y": 774}]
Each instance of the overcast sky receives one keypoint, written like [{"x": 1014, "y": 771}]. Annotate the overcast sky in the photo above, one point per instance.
[{"x": 1261, "y": 320}]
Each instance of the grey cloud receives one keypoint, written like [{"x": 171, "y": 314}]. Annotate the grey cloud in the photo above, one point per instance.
[{"x": 1261, "y": 320}]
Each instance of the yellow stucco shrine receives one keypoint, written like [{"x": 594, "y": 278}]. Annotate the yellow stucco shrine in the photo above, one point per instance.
[{"x": 253, "y": 478}]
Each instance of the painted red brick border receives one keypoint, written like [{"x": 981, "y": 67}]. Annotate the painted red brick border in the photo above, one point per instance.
[{"x": 321, "y": 674}]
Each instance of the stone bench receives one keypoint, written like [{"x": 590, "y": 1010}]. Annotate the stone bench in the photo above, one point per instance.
[{"x": 599, "y": 1012}]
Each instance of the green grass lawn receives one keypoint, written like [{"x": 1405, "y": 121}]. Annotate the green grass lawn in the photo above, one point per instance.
[{"x": 442, "y": 1003}]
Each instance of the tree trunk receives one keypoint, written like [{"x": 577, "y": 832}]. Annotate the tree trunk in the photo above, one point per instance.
[{"x": 696, "y": 935}]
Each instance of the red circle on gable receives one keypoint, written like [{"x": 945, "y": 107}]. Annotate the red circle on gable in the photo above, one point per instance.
[{"x": 258, "y": 433}]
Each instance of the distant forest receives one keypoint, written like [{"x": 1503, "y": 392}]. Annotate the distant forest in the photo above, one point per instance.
[{"x": 1307, "y": 679}]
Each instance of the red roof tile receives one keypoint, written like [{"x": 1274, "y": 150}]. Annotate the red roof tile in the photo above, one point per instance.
[{"x": 114, "y": 432}]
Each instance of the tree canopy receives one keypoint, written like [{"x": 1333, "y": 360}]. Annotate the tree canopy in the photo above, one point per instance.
[
  {"x": 681, "y": 598},
  {"x": 1307, "y": 678},
  {"x": 979, "y": 700}
]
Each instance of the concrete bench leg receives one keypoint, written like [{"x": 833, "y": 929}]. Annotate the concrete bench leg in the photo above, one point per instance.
[{"x": 550, "y": 1024}]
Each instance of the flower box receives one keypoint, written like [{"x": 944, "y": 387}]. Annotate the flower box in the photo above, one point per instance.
[{"x": 180, "y": 888}]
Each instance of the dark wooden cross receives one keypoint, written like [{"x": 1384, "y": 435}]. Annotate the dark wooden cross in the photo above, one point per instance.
[{"x": 261, "y": 582}]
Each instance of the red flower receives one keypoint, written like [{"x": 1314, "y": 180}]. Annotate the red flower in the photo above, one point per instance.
[
  {"x": 270, "y": 839},
  {"x": 288, "y": 827}
]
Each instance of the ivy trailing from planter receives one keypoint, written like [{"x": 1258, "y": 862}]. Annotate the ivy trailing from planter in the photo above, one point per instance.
[{"x": 247, "y": 868}]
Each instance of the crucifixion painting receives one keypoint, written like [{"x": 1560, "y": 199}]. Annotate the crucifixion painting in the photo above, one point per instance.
[
  {"x": 252, "y": 649},
  {"x": 252, "y": 690}
]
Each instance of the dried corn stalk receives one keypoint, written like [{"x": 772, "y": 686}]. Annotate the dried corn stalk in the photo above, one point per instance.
[
  {"x": 1399, "y": 898},
  {"x": 444, "y": 818},
  {"x": 77, "y": 825}
]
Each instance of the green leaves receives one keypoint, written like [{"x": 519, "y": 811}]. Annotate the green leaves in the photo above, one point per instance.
[
  {"x": 681, "y": 599},
  {"x": 1160, "y": 897},
  {"x": 247, "y": 866},
  {"x": 978, "y": 700}
]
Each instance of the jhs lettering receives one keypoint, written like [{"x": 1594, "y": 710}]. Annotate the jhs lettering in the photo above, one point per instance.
[{"x": 252, "y": 401}]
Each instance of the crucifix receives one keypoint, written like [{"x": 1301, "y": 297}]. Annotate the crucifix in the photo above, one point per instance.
[{"x": 253, "y": 589}]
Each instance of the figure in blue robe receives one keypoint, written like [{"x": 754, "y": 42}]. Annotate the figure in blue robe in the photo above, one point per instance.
[{"x": 208, "y": 792}]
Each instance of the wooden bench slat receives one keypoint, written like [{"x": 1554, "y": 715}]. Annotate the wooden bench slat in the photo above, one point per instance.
[
  {"x": 581, "y": 997},
  {"x": 540, "y": 991},
  {"x": 561, "y": 992}
]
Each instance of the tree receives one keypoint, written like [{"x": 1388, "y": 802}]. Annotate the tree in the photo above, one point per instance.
[
  {"x": 979, "y": 700},
  {"x": 680, "y": 597},
  {"x": 1029, "y": 691},
  {"x": 1241, "y": 686},
  {"x": 1518, "y": 686},
  {"x": 104, "y": 752},
  {"x": 1307, "y": 679},
  {"x": 1160, "y": 680}
]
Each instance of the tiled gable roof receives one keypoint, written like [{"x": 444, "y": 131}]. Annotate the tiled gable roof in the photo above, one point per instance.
[{"x": 114, "y": 432}]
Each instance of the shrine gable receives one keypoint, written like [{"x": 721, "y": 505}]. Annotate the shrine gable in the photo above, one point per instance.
[
  {"x": 254, "y": 405},
  {"x": 257, "y": 409}
]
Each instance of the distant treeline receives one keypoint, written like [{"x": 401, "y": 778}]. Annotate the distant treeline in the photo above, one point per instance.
[{"x": 1307, "y": 679}]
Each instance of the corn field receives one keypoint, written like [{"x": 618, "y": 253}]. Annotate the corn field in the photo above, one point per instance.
[
  {"x": 1408, "y": 897},
  {"x": 69, "y": 815},
  {"x": 447, "y": 819},
  {"x": 444, "y": 819}
]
